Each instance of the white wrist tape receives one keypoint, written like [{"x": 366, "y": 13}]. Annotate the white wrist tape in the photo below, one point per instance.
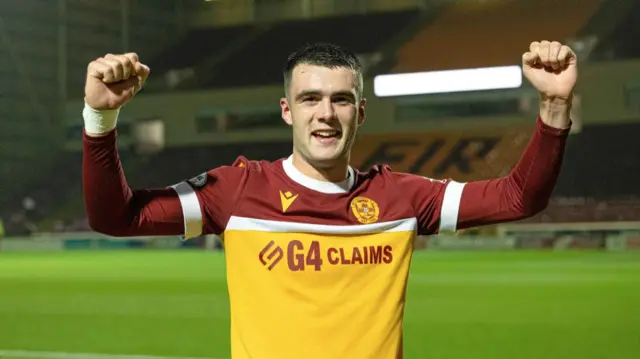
[{"x": 99, "y": 121}]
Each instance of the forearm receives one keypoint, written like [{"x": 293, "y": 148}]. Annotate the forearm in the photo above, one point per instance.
[
  {"x": 112, "y": 207},
  {"x": 527, "y": 189},
  {"x": 556, "y": 112}
]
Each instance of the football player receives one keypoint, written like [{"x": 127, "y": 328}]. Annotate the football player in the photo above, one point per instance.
[{"x": 317, "y": 252}]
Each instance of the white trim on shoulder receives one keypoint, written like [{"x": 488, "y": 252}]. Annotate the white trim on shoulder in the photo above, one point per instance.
[
  {"x": 450, "y": 206},
  {"x": 316, "y": 185},
  {"x": 190, "y": 209}
]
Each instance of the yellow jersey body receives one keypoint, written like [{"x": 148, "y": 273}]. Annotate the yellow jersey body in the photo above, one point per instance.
[{"x": 315, "y": 270}]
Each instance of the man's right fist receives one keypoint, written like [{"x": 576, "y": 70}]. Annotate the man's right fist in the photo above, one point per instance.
[{"x": 113, "y": 80}]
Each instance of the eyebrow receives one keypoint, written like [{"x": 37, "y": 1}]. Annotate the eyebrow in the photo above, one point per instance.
[{"x": 317, "y": 92}]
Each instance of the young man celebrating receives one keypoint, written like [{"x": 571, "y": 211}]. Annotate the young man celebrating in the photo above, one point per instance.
[{"x": 318, "y": 252}]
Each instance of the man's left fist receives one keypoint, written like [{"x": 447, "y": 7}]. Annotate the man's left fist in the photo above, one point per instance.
[{"x": 552, "y": 68}]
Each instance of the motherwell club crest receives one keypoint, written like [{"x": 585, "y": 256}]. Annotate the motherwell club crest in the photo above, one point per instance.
[{"x": 365, "y": 210}]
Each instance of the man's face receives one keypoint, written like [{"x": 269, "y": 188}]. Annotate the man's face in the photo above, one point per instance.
[{"x": 324, "y": 109}]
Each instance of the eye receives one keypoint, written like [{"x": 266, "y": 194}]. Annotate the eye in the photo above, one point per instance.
[{"x": 342, "y": 100}]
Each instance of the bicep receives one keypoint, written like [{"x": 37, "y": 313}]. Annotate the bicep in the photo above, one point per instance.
[
  {"x": 172, "y": 211},
  {"x": 488, "y": 202},
  {"x": 449, "y": 205},
  {"x": 187, "y": 209},
  {"x": 208, "y": 200},
  {"x": 190, "y": 212},
  {"x": 436, "y": 203},
  {"x": 145, "y": 212},
  {"x": 113, "y": 207}
]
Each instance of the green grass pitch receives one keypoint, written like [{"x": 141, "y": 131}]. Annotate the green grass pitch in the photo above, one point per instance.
[{"x": 524, "y": 305}]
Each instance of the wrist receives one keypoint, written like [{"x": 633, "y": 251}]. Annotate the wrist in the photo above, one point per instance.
[
  {"x": 556, "y": 112},
  {"x": 99, "y": 123}
]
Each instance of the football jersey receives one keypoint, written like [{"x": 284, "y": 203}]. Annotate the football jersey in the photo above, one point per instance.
[{"x": 315, "y": 269}]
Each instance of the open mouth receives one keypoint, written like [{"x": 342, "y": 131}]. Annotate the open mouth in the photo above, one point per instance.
[{"x": 326, "y": 134}]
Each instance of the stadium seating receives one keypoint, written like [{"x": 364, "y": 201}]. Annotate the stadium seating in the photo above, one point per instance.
[
  {"x": 261, "y": 61},
  {"x": 462, "y": 36},
  {"x": 588, "y": 209},
  {"x": 592, "y": 169},
  {"x": 29, "y": 95},
  {"x": 195, "y": 47},
  {"x": 58, "y": 194},
  {"x": 598, "y": 183},
  {"x": 466, "y": 35},
  {"x": 95, "y": 29},
  {"x": 623, "y": 44},
  {"x": 49, "y": 191},
  {"x": 585, "y": 192},
  {"x": 62, "y": 198},
  {"x": 30, "y": 105},
  {"x": 180, "y": 163}
]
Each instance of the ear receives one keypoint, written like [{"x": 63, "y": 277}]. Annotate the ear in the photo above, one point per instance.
[
  {"x": 361, "y": 111},
  {"x": 286, "y": 111}
]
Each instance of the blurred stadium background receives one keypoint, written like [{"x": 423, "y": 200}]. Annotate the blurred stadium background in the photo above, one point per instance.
[{"x": 563, "y": 284}]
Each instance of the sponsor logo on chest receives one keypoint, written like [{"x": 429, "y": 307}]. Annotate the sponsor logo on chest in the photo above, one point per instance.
[{"x": 316, "y": 257}]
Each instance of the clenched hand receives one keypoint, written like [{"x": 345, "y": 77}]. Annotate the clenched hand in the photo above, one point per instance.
[{"x": 113, "y": 80}]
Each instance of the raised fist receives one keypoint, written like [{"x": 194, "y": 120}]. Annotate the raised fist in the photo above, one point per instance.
[
  {"x": 113, "y": 80},
  {"x": 552, "y": 68}
]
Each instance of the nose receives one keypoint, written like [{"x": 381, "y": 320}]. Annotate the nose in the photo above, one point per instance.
[{"x": 325, "y": 110}]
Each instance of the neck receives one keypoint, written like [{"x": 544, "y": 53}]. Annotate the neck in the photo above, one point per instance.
[{"x": 336, "y": 173}]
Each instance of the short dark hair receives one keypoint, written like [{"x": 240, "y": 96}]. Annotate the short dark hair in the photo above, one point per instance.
[{"x": 326, "y": 55}]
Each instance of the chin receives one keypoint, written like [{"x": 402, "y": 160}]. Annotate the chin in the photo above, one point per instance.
[{"x": 326, "y": 160}]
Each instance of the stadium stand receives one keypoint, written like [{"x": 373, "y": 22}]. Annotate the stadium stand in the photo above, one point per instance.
[
  {"x": 29, "y": 100},
  {"x": 588, "y": 209},
  {"x": 261, "y": 60},
  {"x": 170, "y": 167},
  {"x": 196, "y": 46},
  {"x": 585, "y": 192},
  {"x": 33, "y": 97},
  {"x": 56, "y": 196},
  {"x": 64, "y": 207},
  {"x": 602, "y": 171},
  {"x": 623, "y": 41},
  {"x": 464, "y": 35},
  {"x": 96, "y": 28},
  {"x": 227, "y": 57},
  {"x": 74, "y": 293},
  {"x": 598, "y": 182}
]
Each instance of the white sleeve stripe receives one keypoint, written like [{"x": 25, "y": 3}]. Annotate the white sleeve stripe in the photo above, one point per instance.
[
  {"x": 190, "y": 209},
  {"x": 450, "y": 206}
]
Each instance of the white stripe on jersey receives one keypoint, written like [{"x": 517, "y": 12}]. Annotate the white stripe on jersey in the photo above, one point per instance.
[
  {"x": 450, "y": 206},
  {"x": 190, "y": 210},
  {"x": 264, "y": 225}
]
